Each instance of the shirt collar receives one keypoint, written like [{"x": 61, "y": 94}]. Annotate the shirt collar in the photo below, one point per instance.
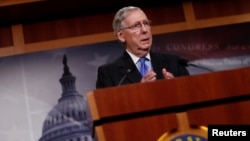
[{"x": 135, "y": 58}]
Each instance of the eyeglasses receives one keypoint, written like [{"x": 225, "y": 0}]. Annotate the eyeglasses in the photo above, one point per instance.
[{"x": 138, "y": 26}]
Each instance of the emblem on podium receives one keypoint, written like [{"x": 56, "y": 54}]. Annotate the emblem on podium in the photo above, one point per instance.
[{"x": 184, "y": 131}]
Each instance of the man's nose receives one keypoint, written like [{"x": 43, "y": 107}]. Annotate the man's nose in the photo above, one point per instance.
[{"x": 144, "y": 28}]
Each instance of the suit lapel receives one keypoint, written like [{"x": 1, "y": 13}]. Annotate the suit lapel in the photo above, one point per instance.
[
  {"x": 158, "y": 64},
  {"x": 128, "y": 68}
]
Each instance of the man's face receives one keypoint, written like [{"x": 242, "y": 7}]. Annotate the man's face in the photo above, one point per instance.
[{"x": 136, "y": 33}]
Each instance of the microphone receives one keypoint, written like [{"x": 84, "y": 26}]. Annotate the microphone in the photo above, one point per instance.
[
  {"x": 186, "y": 63},
  {"x": 123, "y": 78}
]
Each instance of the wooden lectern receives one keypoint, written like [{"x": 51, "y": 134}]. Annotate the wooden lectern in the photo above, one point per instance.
[{"x": 145, "y": 111}]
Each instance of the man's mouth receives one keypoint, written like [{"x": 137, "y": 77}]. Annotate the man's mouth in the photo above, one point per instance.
[{"x": 145, "y": 39}]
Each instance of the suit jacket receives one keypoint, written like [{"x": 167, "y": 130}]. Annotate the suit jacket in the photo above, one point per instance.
[{"x": 123, "y": 70}]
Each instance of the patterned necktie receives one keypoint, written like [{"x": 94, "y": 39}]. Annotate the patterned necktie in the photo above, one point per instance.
[{"x": 143, "y": 67}]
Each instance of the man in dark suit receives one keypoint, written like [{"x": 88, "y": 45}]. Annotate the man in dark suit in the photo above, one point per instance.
[{"x": 137, "y": 64}]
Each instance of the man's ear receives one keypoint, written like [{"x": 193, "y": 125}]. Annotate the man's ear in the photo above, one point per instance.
[{"x": 120, "y": 36}]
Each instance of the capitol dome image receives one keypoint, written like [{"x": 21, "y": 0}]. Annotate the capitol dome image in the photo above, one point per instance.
[{"x": 67, "y": 121}]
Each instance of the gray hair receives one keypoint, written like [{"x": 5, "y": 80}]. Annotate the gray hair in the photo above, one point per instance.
[{"x": 120, "y": 16}]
